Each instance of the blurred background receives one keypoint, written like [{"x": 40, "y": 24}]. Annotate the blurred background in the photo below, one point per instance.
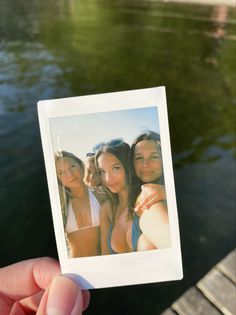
[{"x": 62, "y": 48}]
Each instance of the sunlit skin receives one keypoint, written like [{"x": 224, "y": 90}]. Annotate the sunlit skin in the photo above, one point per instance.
[
  {"x": 147, "y": 161},
  {"x": 112, "y": 172},
  {"x": 150, "y": 205},
  {"x": 148, "y": 168},
  {"x": 70, "y": 174},
  {"x": 86, "y": 240},
  {"x": 154, "y": 224},
  {"x": 114, "y": 178},
  {"x": 91, "y": 177}
]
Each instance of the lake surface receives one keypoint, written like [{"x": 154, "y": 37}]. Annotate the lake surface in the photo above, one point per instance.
[{"x": 53, "y": 49}]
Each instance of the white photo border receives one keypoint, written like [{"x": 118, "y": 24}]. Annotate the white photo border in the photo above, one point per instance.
[{"x": 120, "y": 269}]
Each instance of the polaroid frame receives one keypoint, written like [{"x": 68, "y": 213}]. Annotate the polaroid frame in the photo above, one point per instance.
[{"x": 127, "y": 268}]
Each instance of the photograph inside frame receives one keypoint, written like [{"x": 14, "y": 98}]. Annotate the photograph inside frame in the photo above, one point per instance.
[{"x": 111, "y": 182}]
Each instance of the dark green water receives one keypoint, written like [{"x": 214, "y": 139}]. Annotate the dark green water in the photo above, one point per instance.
[{"x": 52, "y": 49}]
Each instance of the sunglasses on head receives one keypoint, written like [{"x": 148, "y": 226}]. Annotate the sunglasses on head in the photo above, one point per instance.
[
  {"x": 90, "y": 154},
  {"x": 112, "y": 144}
]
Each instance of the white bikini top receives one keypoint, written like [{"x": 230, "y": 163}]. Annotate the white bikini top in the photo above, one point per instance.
[{"x": 71, "y": 224}]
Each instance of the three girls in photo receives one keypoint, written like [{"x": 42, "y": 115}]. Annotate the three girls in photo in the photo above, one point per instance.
[{"x": 131, "y": 213}]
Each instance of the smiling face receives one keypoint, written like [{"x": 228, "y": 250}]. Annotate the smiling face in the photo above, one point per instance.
[
  {"x": 147, "y": 161},
  {"x": 69, "y": 172},
  {"x": 91, "y": 178},
  {"x": 112, "y": 172}
]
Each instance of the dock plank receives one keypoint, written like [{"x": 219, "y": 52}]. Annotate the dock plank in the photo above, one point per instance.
[
  {"x": 168, "y": 311},
  {"x": 193, "y": 302},
  {"x": 220, "y": 291},
  {"x": 214, "y": 294},
  {"x": 228, "y": 266}
]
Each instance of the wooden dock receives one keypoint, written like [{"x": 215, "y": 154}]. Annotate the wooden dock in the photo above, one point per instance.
[{"x": 214, "y": 294}]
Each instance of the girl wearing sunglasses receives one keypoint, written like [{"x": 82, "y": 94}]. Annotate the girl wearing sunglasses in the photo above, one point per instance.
[{"x": 119, "y": 228}]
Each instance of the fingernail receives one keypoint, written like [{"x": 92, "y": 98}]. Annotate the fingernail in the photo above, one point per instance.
[{"x": 64, "y": 298}]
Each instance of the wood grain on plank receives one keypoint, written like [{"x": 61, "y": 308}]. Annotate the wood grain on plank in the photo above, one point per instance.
[
  {"x": 220, "y": 291},
  {"x": 168, "y": 311},
  {"x": 193, "y": 302},
  {"x": 228, "y": 266}
]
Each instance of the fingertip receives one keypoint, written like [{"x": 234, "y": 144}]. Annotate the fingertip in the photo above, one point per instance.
[
  {"x": 64, "y": 297},
  {"x": 86, "y": 299},
  {"x": 85, "y": 293}
]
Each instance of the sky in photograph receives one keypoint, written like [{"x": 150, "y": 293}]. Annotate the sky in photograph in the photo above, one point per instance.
[{"x": 79, "y": 133}]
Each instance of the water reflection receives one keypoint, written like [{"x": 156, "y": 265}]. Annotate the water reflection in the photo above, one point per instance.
[
  {"x": 88, "y": 52},
  {"x": 64, "y": 48}
]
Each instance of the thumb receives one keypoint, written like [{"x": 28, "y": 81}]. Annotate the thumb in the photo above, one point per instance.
[{"x": 63, "y": 297}]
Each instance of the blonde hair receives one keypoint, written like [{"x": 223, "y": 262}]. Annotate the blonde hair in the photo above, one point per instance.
[{"x": 64, "y": 192}]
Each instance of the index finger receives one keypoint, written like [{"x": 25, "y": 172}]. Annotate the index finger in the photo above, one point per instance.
[{"x": 28, "y": 277}]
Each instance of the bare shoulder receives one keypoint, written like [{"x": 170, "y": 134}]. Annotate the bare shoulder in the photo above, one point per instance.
[
  {"x": 144, "y": 243},
  {"x": 160, "y": 208},
  {"x": 162, "y": 205}
]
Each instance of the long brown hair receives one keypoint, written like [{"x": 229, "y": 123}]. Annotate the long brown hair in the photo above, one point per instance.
[
  {"x": 136, "y": 183},
  {"x": 122, "y": 153}
]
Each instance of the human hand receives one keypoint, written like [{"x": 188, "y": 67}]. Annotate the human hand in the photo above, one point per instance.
[
  {"x": 35, "y": 286},
  {"x": 150, "y": 194}
]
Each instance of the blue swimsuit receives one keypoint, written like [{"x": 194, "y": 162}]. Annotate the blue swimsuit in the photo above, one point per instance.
[{"x": 136, "y": 232}]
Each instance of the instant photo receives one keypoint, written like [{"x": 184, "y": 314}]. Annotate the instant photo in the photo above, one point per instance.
[{"x": 110, "y": 177}]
